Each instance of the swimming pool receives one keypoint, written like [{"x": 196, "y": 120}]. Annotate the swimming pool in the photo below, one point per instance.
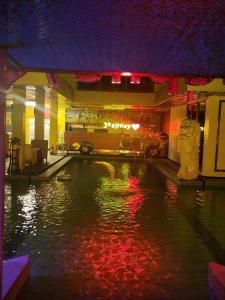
[{"x": 117, "y": 230}]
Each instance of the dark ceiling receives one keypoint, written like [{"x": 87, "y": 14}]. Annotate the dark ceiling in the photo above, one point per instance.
[{"x": 159, "y": 36}]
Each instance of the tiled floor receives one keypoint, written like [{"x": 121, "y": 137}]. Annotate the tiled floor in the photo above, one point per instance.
[{"x": 38, "y": 168}]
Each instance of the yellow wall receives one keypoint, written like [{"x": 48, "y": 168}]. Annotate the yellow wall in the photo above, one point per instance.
[
  {"x": 215, "y": 86},
  {"x": 29, "y": 115},
  {"x": 61, "y": 117},
  {"x": 212, "y": 123},
  {"x": 161, "y": 90},
  {"x": 177, "y": 114},
  {"x": 210, "y": 132},
  {"x": 35, "y": 78},
  {"x": 53, "y": 122},
  {"x": 116, "y": 98}
]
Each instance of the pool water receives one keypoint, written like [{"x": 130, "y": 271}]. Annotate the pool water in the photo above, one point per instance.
[{"x": 117, "y": 230}]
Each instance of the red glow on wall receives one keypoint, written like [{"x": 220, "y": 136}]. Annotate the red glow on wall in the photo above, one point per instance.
[
  {"x": 135, "y": 79},
  {"x": 175, "y": 127}
]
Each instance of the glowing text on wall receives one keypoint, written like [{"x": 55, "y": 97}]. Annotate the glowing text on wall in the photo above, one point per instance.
[{"x": 121, "y": 126}]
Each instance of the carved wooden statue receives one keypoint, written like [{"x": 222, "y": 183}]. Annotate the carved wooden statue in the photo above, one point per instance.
[{"x": 188, "y": 146}]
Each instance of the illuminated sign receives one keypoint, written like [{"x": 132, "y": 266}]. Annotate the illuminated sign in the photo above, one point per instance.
[{"x": 121, "y": 126}]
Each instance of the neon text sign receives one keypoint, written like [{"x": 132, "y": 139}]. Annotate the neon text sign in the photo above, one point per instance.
[{"x": 121, "y": 126}]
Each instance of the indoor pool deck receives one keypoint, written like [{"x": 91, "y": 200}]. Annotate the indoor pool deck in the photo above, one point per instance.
[
  {"x": 43, "y": 172},
  {"x": 170, "y": 169}
]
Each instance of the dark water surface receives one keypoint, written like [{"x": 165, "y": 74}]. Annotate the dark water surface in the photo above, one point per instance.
[{"x": 115, "y": 231}]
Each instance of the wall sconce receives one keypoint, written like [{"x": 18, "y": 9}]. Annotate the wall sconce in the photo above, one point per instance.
[
  {"x": 135, "y": 79},
  {"x": 116, "y": 79}
]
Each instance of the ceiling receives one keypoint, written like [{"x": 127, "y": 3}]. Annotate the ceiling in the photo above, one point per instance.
[{"x": 158, "y": 36}]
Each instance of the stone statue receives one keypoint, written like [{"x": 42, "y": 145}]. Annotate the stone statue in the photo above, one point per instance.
[{"x": 188, "y": 147}]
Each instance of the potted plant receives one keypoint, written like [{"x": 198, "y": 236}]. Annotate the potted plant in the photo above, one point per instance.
[{"x": 15, "y": 142}]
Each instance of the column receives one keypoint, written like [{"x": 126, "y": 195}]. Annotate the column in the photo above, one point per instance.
[
  {"x": 61, "y": 118},
  {"x": 39, "y": 113},
  {"x": 53, "y": 122},
  {"x": 19, "y": 119},
  {"x": 2, "y": 154},
  {"x": 213, "y": 163}
]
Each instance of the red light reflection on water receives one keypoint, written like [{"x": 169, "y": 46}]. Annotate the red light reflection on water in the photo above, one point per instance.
[
  {"x": 135, "y": 201},
  {"x": 114, "y": 259},
  {"x": 133, "y": 183},
  {"x": 171, "y": 191},
  {"x": 112, "y": 264}
]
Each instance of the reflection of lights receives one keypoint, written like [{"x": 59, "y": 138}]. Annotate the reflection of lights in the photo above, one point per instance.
[
  {"x": 112, "y": 264},
  {"x": 200, "y": 198},
  {"x": 28, "y": 204},
  {"x": 28, "y": 211},
  {"x": 133, "y": 182},
  {"x": 171, "y": 191},
  {"x": 115, "y": 256},
  {"x": 108, "y": 166},
  {"x": 125, "y": 170},
  {"x": 171, "y": 187},
  {"x": 135, "y": 202},
  {"x": 118, "y": 259}
]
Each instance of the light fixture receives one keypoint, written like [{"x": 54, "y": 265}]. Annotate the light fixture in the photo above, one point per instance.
[
  {"x": 116, "y": 79},
  {"x": 30, "y": 103},
  {"x": 202, "y": 128},
  {"x": 135, "y": 79},
  {"x": 126, "y": 74}
]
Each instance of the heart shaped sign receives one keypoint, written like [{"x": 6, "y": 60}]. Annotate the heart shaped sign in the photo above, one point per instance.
[{"x": 135, "y": 126}]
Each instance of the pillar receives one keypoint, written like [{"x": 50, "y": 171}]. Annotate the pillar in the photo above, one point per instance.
[
  {"x": 19, "y": 119},
  {"x": 213, "y": 163},
  {"x": 2, "y": 155},
  {"x": 61, "y": 119},
  {"x": 53, "y": 122},
  {"x": 39, "y": 113}
]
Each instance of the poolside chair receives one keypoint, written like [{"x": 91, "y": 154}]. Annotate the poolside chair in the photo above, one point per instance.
[{"x": 43, "y": 145}]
